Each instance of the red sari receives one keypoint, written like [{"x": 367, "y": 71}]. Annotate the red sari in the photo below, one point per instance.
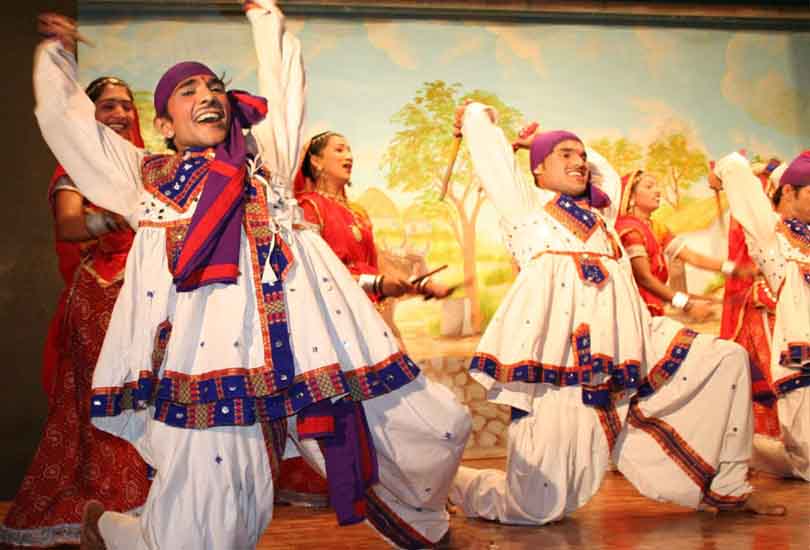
[
  {"x": 635, "y": 232},
  {"x": 76, "y": 462},
  {"x": 748, "y": 319},
  {"x": 345, "y": 227}
]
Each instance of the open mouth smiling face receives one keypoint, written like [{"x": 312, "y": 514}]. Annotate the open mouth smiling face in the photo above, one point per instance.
[{"x": 198, "y": 113}]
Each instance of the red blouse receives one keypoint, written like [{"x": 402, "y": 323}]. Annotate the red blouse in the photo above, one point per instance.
[
  {"x": 345, "y": 227},
  {"x": 634, "y": 231}
]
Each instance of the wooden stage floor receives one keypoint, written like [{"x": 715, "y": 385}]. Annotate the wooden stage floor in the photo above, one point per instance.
[{"x": 617, "y": 518}]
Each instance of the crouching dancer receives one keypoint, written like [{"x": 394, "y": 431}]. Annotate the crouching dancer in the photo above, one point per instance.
[
  {"x": 779, "y": 244},
  {"x": 233, "y": 317},
  {"x": 587, "y": 371}
]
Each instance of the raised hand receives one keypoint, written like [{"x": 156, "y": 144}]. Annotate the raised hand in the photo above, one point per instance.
[
  {"x": 461, "y": 109},
  {"x": 525, "y": 136},
  {"x": 55, "y": 26},
  {"x": 714, "y": 180},
  {"x": 460, "y": 117}
]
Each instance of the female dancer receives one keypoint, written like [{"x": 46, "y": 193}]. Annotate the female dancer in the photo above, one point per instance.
[
  {"x": 320, "y": 188},
  {"x": 321, "y": 191},
  {"x": 76, "y": 462},
  {"x": 650, "y": 246}
]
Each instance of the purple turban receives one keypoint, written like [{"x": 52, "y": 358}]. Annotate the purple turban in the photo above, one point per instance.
[
  {"x": 174, "y": 76},
  {"x": 542, "y": 146},
  {"x": 798, "y": 172}
]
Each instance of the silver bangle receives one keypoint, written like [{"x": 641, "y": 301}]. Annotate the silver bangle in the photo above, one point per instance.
[
  {"x": 728, "y": 268},
  {"x": 423, "y": 285},
  {"x": 367, "y": 282},
  {"x": 680, "y": 300},
  {"x": 96, "y": 224}
]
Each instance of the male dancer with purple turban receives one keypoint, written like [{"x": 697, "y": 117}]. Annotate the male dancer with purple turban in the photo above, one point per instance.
[
  {"x": 573, "y": 351},
  {"x": 779, "y": 243},
  {"x": 234, "y": 316}
]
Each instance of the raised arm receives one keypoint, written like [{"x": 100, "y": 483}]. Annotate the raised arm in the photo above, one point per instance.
[
  {"x": 747, "y": 200},
  {"x": 605, "y": 177},
  {"x": 495, "y": 163},
  {"x": 282, "y": 82},
  {"x": 105, "y": 167},
  {"x": 751, "y": 208}
]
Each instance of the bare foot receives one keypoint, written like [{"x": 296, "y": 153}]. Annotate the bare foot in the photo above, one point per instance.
[
  {"x": 756, "y": 505},
  {"x": 91, "y": 536}
]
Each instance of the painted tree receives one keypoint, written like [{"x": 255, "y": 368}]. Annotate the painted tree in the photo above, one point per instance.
[
  {"x": 417, "y": 157},
  {"x": 624, "y": 155},
  {"x": 677, "y": 164}
]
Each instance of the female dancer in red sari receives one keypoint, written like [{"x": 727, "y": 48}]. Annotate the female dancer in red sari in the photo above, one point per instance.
[
  {"x": 650, "y": 245},
  {"x": 75, "y": 462},
  {"x": 321, "y": 191}
]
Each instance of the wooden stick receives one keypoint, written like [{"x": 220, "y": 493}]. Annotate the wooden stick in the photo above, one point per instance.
[
  {"x": 82, "y": 38},
  {"x": 420, "y": 278},
  {"x": 449, "y": 172},
  {"x": 718, "y": 204}
]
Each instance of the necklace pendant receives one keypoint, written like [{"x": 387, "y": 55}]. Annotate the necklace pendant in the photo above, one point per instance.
[{"x": 357, "y": 234}]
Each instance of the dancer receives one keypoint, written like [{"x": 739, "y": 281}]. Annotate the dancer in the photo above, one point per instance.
[
  {"x": 651, "y": 246},
  {"x": 748, "y": 317},
  {"x": 232, "y": 318},
  {"x": 75, "y": 462},
  {"x": 320, "y": 189},
  {"x": 779, "y": 244},
  {"x": 573, "y": 350}
]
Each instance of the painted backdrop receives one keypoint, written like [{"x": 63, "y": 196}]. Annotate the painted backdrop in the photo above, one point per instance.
[{"x": 666, "y": 100}]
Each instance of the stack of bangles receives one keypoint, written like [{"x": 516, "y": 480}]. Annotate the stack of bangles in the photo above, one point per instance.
[
  {"x": 728, "y": 268},
  {"x": 373, "y": 284},
  {"x": 99, "y": 223},
  {"x": 422, "y": 285},
  {"x": 377, "y": 286}
]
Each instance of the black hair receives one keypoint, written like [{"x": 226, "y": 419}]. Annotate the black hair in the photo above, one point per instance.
[
  {"x": 316, "y": 145},
  {"x": 777, "y": 195},
  {"x": 96, "y": 88}
]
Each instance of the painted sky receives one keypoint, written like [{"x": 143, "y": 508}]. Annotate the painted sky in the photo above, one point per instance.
[{"x": 730, "y": 89}]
